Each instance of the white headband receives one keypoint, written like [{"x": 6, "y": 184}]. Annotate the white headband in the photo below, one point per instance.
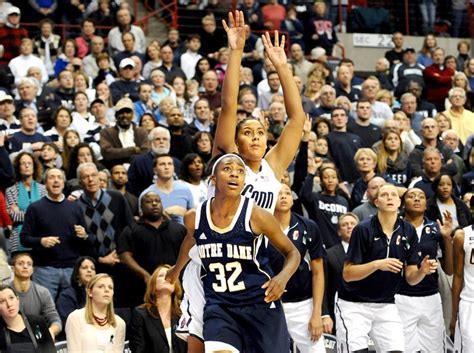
[{"x": 225, "y": 156}]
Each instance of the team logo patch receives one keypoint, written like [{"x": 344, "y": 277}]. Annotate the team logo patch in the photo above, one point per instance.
[
  {"x": 203, "y": 236},
  {"x": 427, "y": 230},
  {"x": 296, "y": 235}
]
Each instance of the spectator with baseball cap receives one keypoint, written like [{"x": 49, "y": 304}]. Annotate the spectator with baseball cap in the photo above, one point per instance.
[
  {"x": 125, "y": 83},
  {"x": 123, "y": 141},
  {"x": 11, "y": 35}
]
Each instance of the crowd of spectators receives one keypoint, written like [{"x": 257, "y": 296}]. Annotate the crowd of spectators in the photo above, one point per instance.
[{"x": 104, "y": 139}]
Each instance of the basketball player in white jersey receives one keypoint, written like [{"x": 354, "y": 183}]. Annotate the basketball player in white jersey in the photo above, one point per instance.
[
  {"x": 463, "y": 290},
  {"x": 263, "y": 170}
]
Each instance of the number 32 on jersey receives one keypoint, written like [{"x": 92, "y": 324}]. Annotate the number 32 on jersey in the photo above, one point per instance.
[{"x": 226, "y": 276}]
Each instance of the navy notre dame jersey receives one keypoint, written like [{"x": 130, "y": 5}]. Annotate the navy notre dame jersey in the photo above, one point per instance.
[{"x": 234, "y": 268}]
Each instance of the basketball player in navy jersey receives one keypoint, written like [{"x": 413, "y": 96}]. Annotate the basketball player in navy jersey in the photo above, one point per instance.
[
  {"x": 242, "y": 311},
  {"x": 263, "y": 170},
  {"x": 379, "y": 249},
  {"x": 463, "y": 290},
  {"x": 303, "y": 300},
  {"x": 419, "y": 306}
]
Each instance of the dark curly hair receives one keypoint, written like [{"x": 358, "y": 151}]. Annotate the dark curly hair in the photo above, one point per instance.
[{"x": 37, "y": 167}]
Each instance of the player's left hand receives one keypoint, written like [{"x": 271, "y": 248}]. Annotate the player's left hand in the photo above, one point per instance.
[
  {"x": 428, "y": 266},
  {"x": 275, "y": 288},
  {"x": 447, "y": 226},
  {"x": 315, "y": 327}
]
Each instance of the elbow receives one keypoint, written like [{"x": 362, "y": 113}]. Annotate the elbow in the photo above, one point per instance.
[{"x": 347, "y": 275}]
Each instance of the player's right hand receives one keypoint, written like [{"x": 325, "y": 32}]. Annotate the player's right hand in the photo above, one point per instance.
[
  {"x": 390, "y": 265},
  {"x": 274, "y": 289},
  {"x": 172, "y": 275}
]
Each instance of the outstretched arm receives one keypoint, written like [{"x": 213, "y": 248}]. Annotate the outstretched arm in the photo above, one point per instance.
[
  {"x": 458, "y": 278},
  {"x": 224, "y": 141},
  {"x": 281, "y": 155}
]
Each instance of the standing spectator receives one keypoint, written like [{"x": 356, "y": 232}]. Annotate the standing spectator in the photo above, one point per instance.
[
  {"x": 174, "y": 42},
  {"x": 211, "y": 93},
  {"x": 181, "y": 137},
  {"x": 395, "y": 55},
  {"x": 273, "y": 13},
  {"x": 409, "y": 107},
  {"x": 301, "y": 66},
  {"x": 153, "y": 241},
  {"x": 252, "y": 14},
  {"x": 154, "y": 323},
  {"x": 406, "y": 71},
  {"x": 319, "y": 30},
  {"x": 380, "y": 111},
  {"x": 366, "y": 163},
  {"x": 121, "y": 142},
  {"x": 26, "y": 190},
  {"x": 74, "y": 297},
  {"x": 9, "y": 124},
  {"x": 193, "y": 173},
  {"x": 16, "y": 323},
  {"x": 11, "y": 35},
  {"x": 119, "y": 180},
  {"x": 125, "y": 84},
  {"x": 212, "y": 38},
  {"x": 464, "y": 48},
  {"x": 424, "y": 55},
  {"x": 83, "y": 42},
  {"x": 169, "y": 67},
  {"x": 459, "y": 13},
  {"x": 293, "y": 26},
  {"x": 462, "y": 120},
  {"x": 425, "y": 108},
  {"x": 129, "y": 50},
  {"x": 56, "y": 245},
  {"x": 34, "y": 299},
  {"x": 47, "y": 44},
  {"x": 432, "y": 162},
  {"x": 96, "y": 327},
  {"x": 437, "y": 79},
  {"x": 344, "y": 86},
  {"x": 428, "y": 13},
  {"x": 67, "y": 56},
  {"x": 124, "y": 20},
  {"x": 392, "y": 159},
  {"x": 175, "y": 195},
  {"x": 368, "y": 133},
  {"x": 28, "y": 139},
  {"x": 343, "y": 145},
  {"x": 368, "y": 209},
  {"x": 91, "y": 62}
]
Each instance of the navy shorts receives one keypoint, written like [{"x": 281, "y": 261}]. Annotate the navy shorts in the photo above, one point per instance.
[{"x": 251, "y": 328}]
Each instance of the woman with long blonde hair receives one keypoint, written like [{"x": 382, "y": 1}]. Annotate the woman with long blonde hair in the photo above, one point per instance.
[
  {"x": 392, "y": 160},
  {"x": 158, "y": 316},
  {"x": 96, "y": 328}
]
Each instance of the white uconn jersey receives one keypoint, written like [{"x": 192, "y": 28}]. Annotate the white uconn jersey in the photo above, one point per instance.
[
  {"x": 467, "y": 292},
  {"x": 263, "y": 187}
]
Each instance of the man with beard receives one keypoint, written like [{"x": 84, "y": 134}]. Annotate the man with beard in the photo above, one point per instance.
[
  {"x": 121, "y": 142},
  {"x": 140, "y": 172},
  {"x": 153, "y": 241},
  {"x": 119, "y": 180}
]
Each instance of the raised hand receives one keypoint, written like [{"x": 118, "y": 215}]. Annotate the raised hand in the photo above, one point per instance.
[
  {"x": 447, "y": 226},
  {"x": 275, "y": 52},
  {"x": 236, "y": 30}
]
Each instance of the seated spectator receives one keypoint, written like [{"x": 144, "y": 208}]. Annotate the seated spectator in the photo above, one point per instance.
[
  {"x": 26, "y": 190},
  {"x": 322, "y": 126},
  {"x": 74, "y": 297},
  {"x": 368, "y": 133},
  {"x": 460, "y": 80},
  {"x": 174, "y": 42},
  {"x": 50, "y": 157},
  {"x": 146, "y": 104},
  {"x": 425, "y": 108},
  {"x": 327, "y": 98},
  {"x": 64, "y": 93},
  {"x": 252, "y": 14},
  {"x": 82, "y": 119},
  {"x": 314, "y": 88},
  {"x": 409, "y": 138},
  {"x": 90, "y": 61},
  {"x": 175, "y": 195},
  {"x": 190, "y": 58},
  {"x": 159, "y": 89},
  {"x": 273, "y": 14},
  {"x": 301, "y": 65},
  {"x": 382, "y": 72},
  {"x": 19, "y": 65},
  {"x": 9, "y": 124},
  {"x": 392, "y": 160},
  {"x": 193, "y": 174},
  {"x": 184, "y": 101},
  {"x": 83, "y": 42},
  {"x": 104, "y": 15},
  {"x": 125, "y": 84},
  {"x": 95, "y": 327},
  {"x": 366, "y": 163},
  {"x": 464, "y": 48},
  {"x": 368, "y": 209},
  {"x": 432, "y": 162},
  {"x": 344, "y": 84},
  {"x": 80, "y": 154},
  {"x": 11, "y": 35},
  {"x": 68, "y": 53},
  {"x": 203, "y": 120},
  {"x": 121, "y": 142},
  {"x": 71, "y": 139},
  {"x": 15, "y": 325},
  {"x": 118, "y": 181},
  {"x": 35, "y": 299},
  {"x": 293, "y": 26},
  {"x": 409, "y": 107},
  {"x": 153, "y": 324},
  {"x": 202, "y": 145},
  {"x": 106, "y": 70},
  {"x": 124, "y": 20},
  {"x": 148, "y": 122}
]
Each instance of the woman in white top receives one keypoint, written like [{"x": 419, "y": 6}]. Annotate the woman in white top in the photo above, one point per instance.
[
  {"x": 193, "y": 173},
  {"x": 81, "y": 118},
  {"x": 96, "y": 328}
]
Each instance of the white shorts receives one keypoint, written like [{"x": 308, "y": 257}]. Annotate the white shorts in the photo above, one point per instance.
[
  {"x": 356, "y": 322},
  {"x": 297, "y": 317},
  {"x": 192, "y": 305},
  {"x": 464, "y": 333},
  {"x": 423, "y": 323}
]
